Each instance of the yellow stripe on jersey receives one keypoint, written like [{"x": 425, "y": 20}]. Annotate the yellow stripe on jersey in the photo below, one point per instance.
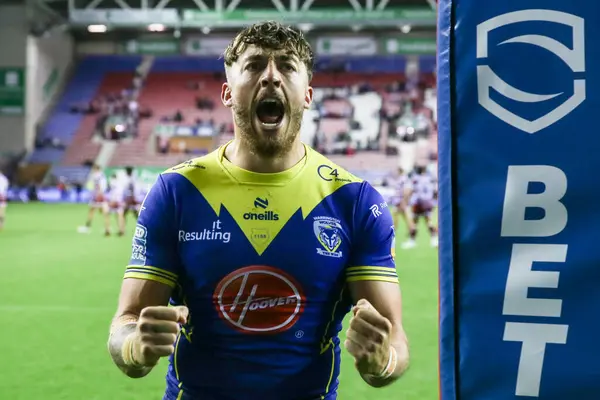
[
  {"x": 176, "y": 367},
  {"x": 369, "y": 273},
  {"x": 332, "y": 347},
  {"x": 151, "y": 273},
  {"x": 154, "y": 272},
  {"x": 188, "y": 335},
  {"x": 159, "y": 270},
  {"x": 137, "y": 275},
  {"x": 326, "y": 340},
  {"x": 175, "y": 364}
]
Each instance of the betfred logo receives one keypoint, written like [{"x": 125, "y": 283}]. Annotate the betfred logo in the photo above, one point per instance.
[
  {"x": 259, "y": 299},
  {"x": 572, "y": 53}
]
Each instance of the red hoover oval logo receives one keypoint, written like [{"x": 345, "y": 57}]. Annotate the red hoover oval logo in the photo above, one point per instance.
[{"x": 259, "y": 299}]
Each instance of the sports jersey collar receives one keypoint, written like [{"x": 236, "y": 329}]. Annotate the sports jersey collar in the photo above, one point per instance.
[{"x": 244, "y": 176}]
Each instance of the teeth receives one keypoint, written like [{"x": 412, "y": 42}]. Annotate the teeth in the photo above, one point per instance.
[{"x": 269, "y": 125}]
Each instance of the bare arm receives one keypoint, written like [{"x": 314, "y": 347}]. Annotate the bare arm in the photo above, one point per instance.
[
  {"x": 387, "y": 300},
  {"x": 375, "y": 336},
  {"x": 136, "y": 294},
  {"x": 144, "y": 328}
]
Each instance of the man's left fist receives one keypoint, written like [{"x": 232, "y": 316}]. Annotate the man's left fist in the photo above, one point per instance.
[{"x": 368, "y": 339}]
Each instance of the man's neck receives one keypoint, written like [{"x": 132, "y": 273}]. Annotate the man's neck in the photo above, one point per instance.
[{"x": 242, "y": 157}]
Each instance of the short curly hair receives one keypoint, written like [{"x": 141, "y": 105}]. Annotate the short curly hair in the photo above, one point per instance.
[{"x": 274, "y": 36}]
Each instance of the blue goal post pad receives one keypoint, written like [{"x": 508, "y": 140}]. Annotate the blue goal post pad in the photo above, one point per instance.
[{"x": 519, "y": 206}]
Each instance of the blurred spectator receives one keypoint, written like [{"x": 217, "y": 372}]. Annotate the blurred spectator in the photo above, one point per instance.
[
  {"x": 163, "y": 144},
  {"x": 204, "y": 104},
  {"x": 118, "y": 113},
  {"x": 62, "y": 187}
]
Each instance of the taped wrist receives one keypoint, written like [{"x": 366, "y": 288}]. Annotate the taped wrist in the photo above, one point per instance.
[
  {"x": 130, "y": 351},
  {"x": 123, "y": 339},
  {"x": 389, "y": 369}
]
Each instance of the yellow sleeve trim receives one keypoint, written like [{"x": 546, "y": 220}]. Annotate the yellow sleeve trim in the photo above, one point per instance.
[
  {"x": 152, "y": 274},
  {"x": 372, "y": 278},
  {"x": 140, "y": 275},
  {"x": 154, "y": 269},
  {"x": 369, "y": 273},
  {"x": 372, "y": 269}
]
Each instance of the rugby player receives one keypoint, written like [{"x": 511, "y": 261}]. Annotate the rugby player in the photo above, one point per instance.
[
  {"x": 99, "y": 188},
  {"x": 422, "y": 202},
  {"x": 4, "y": 184},
  {"x": 131, "y": 194},
  {"x": 402, "y": 190},
  {"x": 124, "y": 197},
  {"x": 115, "y": 203},
  {"x": 261, "y": 247}
]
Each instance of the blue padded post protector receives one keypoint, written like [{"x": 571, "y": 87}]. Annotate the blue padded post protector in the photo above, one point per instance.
[{"x": 519, "y": 160}]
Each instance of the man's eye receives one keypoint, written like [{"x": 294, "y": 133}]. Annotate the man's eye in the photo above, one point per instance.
[
  {"x": 289, "y": 67},
  {"x": 252, "y": 66}
]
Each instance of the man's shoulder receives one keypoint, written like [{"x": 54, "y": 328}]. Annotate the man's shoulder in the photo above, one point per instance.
[
  {"x": 329, "y": 171},
  {"x": 191, "y": 166},
  {"x": 203, "y": 174},
  {"x": 324, "y": 181},
  {"x": 194, "y": 170}
]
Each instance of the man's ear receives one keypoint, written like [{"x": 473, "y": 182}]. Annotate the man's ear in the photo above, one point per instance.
[
  {"x": 226, "y": 95},
  {"x": 308, "y": 97}
]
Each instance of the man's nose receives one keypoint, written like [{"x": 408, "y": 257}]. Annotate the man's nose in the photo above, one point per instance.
[{"x": 271, "y": 76}]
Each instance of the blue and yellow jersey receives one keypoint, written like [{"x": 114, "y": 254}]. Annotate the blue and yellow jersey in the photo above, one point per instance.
[{"x": 262, "y": 261}]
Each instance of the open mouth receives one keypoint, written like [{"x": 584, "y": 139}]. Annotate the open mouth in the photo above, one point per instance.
[{"x": 270, "y": 112}]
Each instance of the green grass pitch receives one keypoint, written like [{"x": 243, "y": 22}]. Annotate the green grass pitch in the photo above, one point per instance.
[{"x": 58, "y": 291}]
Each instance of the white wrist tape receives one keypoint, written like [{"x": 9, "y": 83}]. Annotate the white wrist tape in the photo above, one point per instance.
[
  {"x": 391, "y": 365},
  {"x": 128, "y": 351}
]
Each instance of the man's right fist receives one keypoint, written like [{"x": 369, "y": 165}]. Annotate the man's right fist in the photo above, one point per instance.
[{"x": 156, "y": 332}]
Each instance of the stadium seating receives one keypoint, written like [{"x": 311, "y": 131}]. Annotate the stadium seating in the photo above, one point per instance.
[
  {"x": 83, "y": 148},
  {"x": 165, "y": 93},
  {"x": 168, "y": 89},
  {"x": 174, "y": 84},
  {"x": 64, "y": 125}
]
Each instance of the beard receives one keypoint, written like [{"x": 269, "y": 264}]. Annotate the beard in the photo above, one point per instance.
[{"x": 267, "y": 145}]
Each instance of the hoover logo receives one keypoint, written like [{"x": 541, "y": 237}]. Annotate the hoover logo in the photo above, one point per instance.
[
  {"x": 259, "y": 299},
  {"x": 261, "y": 216},
  {"x": 574, "y": 58}
]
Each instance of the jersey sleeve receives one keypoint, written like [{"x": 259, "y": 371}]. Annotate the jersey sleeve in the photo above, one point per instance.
[
  {"x": 154, "y": 253},
  {"x": 373, "y": 245}
]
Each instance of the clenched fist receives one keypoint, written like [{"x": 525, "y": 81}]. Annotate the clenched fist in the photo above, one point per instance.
[
  {"x": 156, "y": 332},
  {"x": 368, "y": 339}
]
